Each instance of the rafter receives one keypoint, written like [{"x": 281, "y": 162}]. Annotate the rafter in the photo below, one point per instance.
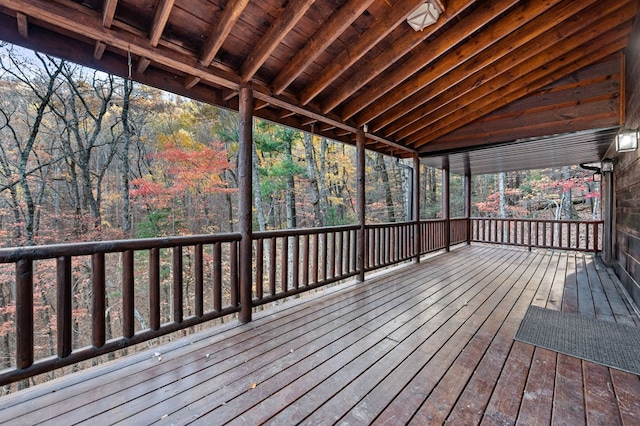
[
  {"x": 143, "y": 63},
  {"x": 229, "y": 17},
  {"x": 98, "y": 50},
  {"x": 23, "y": 24},
  {"x": 160, "y": 19},
  {"x": 422, "y": 55},
  {"x": 108, "y": 12},
  {"x": 391, "y": 54},
  {"x": 191, "y": 81},
  {"x": 546, "y": 74},
  {"x": 465, "y": 81},
  {"x": 508, "y": 24},
  {"x": 283, "y": 24},
  {"x": 378, "y": 30},
  {"x": 326, "y": 34}
]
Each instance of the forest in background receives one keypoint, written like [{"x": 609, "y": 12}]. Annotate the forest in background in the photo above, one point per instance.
[{"x": 87, "y": 156}]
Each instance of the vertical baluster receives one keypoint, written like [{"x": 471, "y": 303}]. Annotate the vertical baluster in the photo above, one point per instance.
[
  {"x": 332, "y": 254},
  {"x": 65, "y": 306},
  {"x": 316, "y": 255},
  {"x": 217, "y": 276},
  {"x": 325, "y": 263},
  {"x": 24, "y": 313},
  {"x": 234, "y": 275},
  {"x": 296, "y": 262},
  {"x": 98, "y": 302},
  {"x": 154, "y": 288},
  {"x": 284, "y": 265},
  {"x": 128, "y": 301},
  {"x": 259, "y": 267},
  {"x": 272, "y": 266},
  {"x": 199, "y": 277},
  {"x": 178, "y": 297},
  {"x": 586, "y": 236},
  {"x": 340, "y": 259},
  {"x": 561, "y": 227},
  {"x": 305, "y": 262}
]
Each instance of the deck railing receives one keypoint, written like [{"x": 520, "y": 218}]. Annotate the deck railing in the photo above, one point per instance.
[
  {"x": 191, "y": 280},
  {"x": 388, "y": 243},
  {"x": 551, "y": 234},
  {"x": 293, "y": 261},
  {"x": 210, "y": 258}
]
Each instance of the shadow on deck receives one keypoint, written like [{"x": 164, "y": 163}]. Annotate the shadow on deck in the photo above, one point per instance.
[{"x": 424, "y": 344}]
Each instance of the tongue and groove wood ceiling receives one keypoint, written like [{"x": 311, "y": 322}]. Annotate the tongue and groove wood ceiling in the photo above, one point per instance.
[{"x": 487, "y": 72}]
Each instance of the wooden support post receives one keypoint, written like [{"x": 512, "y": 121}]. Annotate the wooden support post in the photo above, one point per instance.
[
  {"x": 467, "y": 203},
  {"x": 416, "y": 207},
  {"x": 360, "y": 203},
  {"x": 245, "y": 207},
  {"x": 446, "y": 212},
  {"x": 608, "y": 217}
]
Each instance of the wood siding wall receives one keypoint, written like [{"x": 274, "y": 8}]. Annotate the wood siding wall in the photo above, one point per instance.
[
  {"x": 627, "y": 222},
  {"x": 627, "y": 182}
]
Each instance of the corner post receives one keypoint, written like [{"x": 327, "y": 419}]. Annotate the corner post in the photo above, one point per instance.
[
  {"x": 467, "y": 203},
  {"x": 416, "y": 207},
  {"x": 245, "y": 206},
  {"x": 446, "y": 211},
  {"x": 360, "y": 203}
]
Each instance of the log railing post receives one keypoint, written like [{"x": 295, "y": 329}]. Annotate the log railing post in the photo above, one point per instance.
[
  {"x": 360, "y": 203},
  {"x": 245, "y": 127},
  {"x": 416, "y": 207},
  {"x": 24, "y": 313},
  {"x": 446, "y": 211}
]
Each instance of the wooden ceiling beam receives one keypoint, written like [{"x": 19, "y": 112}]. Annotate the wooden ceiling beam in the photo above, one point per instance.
[
  {"x": 538, "y": 63},
  {"x": 294, "y": 11},
  {"x": 229, "y": 17},
  {"x": 326, "y": 34},
  {"x": 84, "y": 21},
  {"x": 160, "y": 18},
  {"x": 411, "y": 42},
  {"x": 546, "y": 74},
  {"x": 108, "y": 12},
  {"x": 354, "y": 52},
  {"x": 548, "y": 28},
  {"x": 505, "y": 26}
]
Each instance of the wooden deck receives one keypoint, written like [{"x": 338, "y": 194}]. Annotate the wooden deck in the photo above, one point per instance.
[{"x": 425, "y": 344}]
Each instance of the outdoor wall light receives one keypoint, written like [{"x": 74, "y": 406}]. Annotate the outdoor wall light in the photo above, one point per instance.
[
  {"x": 627, "y": 141},
  {"x": 606, "y": 165},
  {"x": 427, "y": 14}
]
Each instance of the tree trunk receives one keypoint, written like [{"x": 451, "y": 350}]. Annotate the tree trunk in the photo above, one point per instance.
[
  {"x": 312, "y": 175},
  {"x": 126, "y": 167},
  {"x": 381, "y": 166},
  {"x": 503, "y": 210},
  {"x": 257, "y": 191}
]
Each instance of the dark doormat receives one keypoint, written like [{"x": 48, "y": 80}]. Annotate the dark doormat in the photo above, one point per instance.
[{"x": 606, "y": 343}]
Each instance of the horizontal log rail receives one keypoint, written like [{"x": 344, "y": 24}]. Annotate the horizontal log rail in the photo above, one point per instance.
[
  {"x": 293, "y": 261},
  {"x": 536, "y": 233},
  {"x": 212, "y": 271}
]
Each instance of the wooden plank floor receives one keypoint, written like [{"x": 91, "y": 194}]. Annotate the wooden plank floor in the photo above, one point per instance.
[{"x": 425, "y": 344}]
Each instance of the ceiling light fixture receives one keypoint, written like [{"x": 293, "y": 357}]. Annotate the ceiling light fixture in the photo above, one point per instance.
[
  {"x": 626, "y": 141},
  {"x": 427, "y": 14}
]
